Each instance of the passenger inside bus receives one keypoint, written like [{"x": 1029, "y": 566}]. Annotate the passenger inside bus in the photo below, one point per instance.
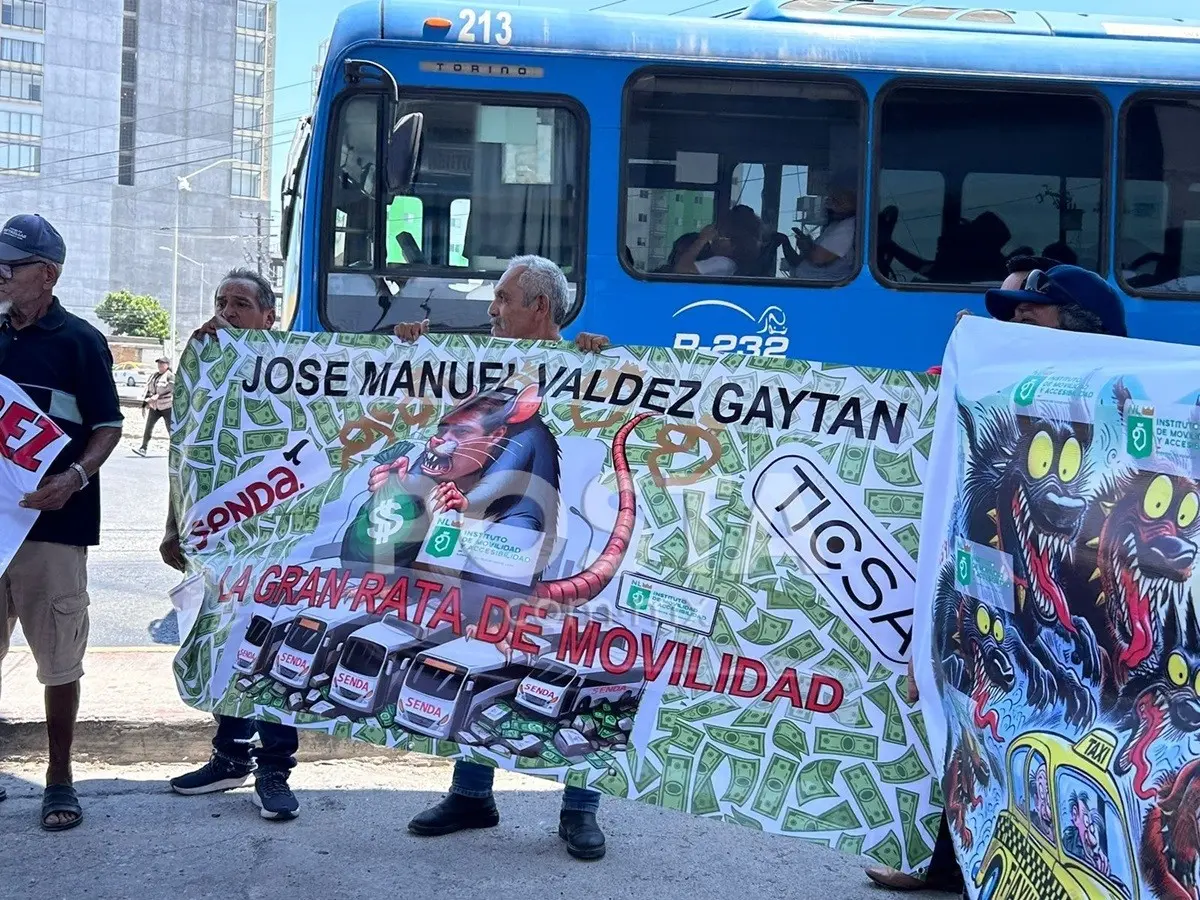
[
  {"x": 831, "y": 256},
  {"x": 971, "y": 253},
  {"x": 735, "y": 243}
]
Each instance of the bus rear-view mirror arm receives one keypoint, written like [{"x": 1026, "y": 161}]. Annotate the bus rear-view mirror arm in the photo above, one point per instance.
[{"x": 407, "y": 137}]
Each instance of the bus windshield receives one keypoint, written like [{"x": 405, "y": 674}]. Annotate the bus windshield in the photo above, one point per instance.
[
  {"x": 554, "y": 674},
  {"x": 435, "y": 682},
  {"x": 496, "y": 181},
  {"x": 256, "y": 634},
  {"x": 363, "y": 657},
  {"x": 305, "y": 635}
]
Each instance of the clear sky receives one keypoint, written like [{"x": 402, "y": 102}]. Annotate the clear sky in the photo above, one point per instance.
[{"x": 304, "y": 24}]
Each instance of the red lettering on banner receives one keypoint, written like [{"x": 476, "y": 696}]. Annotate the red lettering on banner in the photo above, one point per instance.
[
  {"x": 291, "y": 576},
  {"x": 397, "y": 599},
  {"x": 368, "y": 592},
  {"x": 625, "y": 636},
  {"x": 788, "y": 686},
  {"x": 269, "y": 581},
  {"x": 692, "y": 682},
  {"x": 524, "y": 629},
  {"x": 836, "y": 693},
  {"x": 737, "y": 687},
  {"x": 448, "y": 611},
  {"x": 334, "y": 588},
  {"x": 24, "y": 433},
  {"x": 655, "y": 664},
  {"x": 309, "y": 591},
  {"x": 487, "y": 630},
  {"x": 723, "y": 673},
  {"x": 426, "y": 588},
  {"x": 240, "y": 586},
  {"x": 579, "y": 645},
  {"x": 256, "y": 499}
]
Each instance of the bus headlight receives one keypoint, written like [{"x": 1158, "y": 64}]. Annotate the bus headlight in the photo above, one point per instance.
[{"x": 445, "y": 720}]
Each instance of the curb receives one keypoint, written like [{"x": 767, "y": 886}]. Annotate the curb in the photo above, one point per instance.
[
  {"x": 131, "y": 714},
  {"x": 117, "y": 742}
]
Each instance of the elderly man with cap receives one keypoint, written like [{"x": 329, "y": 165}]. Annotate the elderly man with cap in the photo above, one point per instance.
[
  {"x": 157, "y": 402},
  {"x": 65, "y": 367},
  {"x": 1070, "y": 299}
]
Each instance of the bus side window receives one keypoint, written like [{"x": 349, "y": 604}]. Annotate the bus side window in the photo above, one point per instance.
[
  {"x": 973, "y": 177},
  {"x": 734, "y": 177},
  {"x": 1158, "y": 228}
]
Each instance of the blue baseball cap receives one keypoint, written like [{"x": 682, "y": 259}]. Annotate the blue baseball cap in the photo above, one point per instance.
[
  {"x": 1063, "y": 286},
  {"x": 26, "y": 236}
]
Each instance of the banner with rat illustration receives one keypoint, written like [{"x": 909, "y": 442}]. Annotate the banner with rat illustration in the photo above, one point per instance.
[
  {"x": 666, "y": 575},
  {"x": 1059, "y": 659}
]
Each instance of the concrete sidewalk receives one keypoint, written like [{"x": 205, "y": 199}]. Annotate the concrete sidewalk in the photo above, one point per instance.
[
  {"x": 139, "y": 840},
  {"x": 129, "y": 713}
]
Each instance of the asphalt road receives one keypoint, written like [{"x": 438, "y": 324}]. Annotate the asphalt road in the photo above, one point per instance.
[
  {"x": 138, "y": 840},
  {"x": 127, "y": 581}
]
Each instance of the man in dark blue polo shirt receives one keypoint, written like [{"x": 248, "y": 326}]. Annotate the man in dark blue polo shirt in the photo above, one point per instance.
[{"x": 64, "y": 365}]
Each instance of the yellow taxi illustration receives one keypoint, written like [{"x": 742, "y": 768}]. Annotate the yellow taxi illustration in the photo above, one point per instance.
[{"x": 1064, "y": 834}]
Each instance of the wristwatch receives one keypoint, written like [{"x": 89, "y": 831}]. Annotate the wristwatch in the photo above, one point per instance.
[{"x": 82, "y": 473}]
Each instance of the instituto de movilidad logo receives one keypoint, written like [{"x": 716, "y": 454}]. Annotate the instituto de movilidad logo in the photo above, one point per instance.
[
  {"x": 1026, "y": 391},
  {"x": 443, "y": 541},
  {"x": 963, "y": 567},
  {"x": 638, "y": 597},
  {"x": 1139, "y": 434}
]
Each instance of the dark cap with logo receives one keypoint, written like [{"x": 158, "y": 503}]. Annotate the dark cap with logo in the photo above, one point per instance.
[
  {"x": 1064, "y": 286},
  {"x": 27, "y": 236}
]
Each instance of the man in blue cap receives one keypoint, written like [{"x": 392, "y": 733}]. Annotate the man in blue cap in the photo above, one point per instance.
[
  {"x": 1065, "y": 297},
  {"x": 65, "y": 367}
]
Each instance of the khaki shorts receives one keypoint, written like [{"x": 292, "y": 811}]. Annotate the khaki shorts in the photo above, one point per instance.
[{"x": 45, "y": 588}]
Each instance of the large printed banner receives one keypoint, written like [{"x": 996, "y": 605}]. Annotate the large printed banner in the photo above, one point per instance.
[
  {"x": 1060, "y": 657},
  {"x": 664, "y": 575},
  {"x": 29, "y": 443}
]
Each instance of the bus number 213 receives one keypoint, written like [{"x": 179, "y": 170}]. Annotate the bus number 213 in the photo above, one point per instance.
[
  {"x": 485, "y": 27},
  {"x": 750, "y": 345}
]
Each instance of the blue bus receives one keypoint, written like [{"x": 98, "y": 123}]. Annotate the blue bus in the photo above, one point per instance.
[{"x": 815, "y": 179}]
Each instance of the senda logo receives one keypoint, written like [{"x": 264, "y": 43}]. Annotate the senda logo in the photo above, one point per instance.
[
  {"x": 768, "y": 338},
  {"x": 860, "y": 565}
]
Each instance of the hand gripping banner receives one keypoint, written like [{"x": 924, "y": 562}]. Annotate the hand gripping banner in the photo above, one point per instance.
[
  {"x": 675, "y": 577},
  {"x": 1057, "y": 640}
]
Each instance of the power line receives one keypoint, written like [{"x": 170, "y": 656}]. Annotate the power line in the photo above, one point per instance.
[
  {"x": 175, "y": 112},
  {"x": 139, "y": 147}
]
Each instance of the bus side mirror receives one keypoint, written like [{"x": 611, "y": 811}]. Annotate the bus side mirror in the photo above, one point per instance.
[
  {"x": 337, "y": 651},
  {"x": 404, "y": 147},
  {"x": 388, "y": 669},
  {"x": 470, "y": 685}
]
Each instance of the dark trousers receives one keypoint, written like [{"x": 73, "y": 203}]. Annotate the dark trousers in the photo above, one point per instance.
[
  {"x": 278, "y": 750},
  {"x": 152, "y": 417},
  {"x": 943, "y": 867}
]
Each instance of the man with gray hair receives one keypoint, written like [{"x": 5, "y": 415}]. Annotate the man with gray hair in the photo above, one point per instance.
[
  {"x": 530, "y": 303},
  {"x": 244, "y": 299}
]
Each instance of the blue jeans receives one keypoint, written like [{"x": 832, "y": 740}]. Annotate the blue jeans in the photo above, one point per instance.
[
  {"x": 473, "y": 780},
  {"x": 279, "y": 744}
]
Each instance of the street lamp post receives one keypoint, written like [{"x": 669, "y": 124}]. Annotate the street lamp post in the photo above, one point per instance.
[
  {"x": 195, "y": 262},
  {"x": 183, "y": 183}
]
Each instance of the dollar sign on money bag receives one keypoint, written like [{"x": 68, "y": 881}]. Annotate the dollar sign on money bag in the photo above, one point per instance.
[{"x": 388, "y": 528}]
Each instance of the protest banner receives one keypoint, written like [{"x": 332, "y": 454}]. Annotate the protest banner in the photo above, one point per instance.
[
  {"x": 29, "y": 443},
  {"x": 1059, "y": 660},
  {"x": 666, "y": 575}
]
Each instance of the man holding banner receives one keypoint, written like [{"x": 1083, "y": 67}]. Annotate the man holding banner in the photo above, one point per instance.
[
  {"x": 246, "y": 300},
  {"x": 530, "y": 303},
  {"x": 64, "y": 366},
  {"x": 1063, "y": 297}
]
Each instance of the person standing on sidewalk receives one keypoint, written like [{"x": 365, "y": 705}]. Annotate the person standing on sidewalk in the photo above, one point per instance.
[
  {"x": 156, "y": 403},
  {"x": 530, "y": 303},
  {"x": 1067, "y": 298},
  {"x": 244, "y": 299},
  {"x": 65, "y": 367}
]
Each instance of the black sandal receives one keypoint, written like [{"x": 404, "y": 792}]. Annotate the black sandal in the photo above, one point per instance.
[{"x": 60, "y": 798}]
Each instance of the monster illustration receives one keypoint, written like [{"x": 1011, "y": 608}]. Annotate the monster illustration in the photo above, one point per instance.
[
  {"x": 1170, "y": 845},
  {"x": 1138, "y": 565},
  {"x": 972, "y": 642},
  {"x": 1160, "y": 703},
  {"x": 491, "y": 458},
  {"x": 1028, "y": 476},
  {"x": 965, "y": 772}
]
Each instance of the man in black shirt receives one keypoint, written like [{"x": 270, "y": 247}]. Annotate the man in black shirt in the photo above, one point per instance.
[{"x": 65, "y": 367}]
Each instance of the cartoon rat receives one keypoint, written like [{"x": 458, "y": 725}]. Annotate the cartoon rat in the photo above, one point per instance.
[{"x": 493, "y": 458}]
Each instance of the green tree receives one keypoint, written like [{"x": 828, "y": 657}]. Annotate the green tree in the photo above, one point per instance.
[{"x": 134, "y": 315}]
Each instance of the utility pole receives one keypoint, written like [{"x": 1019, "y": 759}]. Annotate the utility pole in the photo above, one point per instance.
[{"x": 260, "y": 257}]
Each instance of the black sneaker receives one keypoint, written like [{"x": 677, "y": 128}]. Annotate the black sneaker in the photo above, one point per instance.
[
  {"x": 217, "y": 774},
  {"x": 455, "y": 813},
  {"x": 273, "y": 797},
  {"x": 582, "y": 833}
]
